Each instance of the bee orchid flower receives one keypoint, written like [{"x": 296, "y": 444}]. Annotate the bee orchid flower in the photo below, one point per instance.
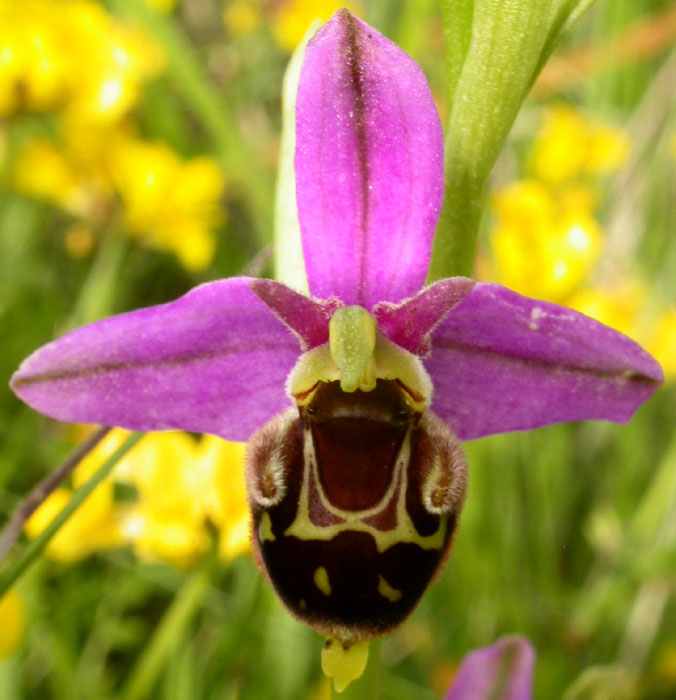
[{"x": 354, "y": 399}]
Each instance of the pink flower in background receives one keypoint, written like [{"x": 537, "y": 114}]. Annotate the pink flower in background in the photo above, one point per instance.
[{"x": 502, "y": 671}]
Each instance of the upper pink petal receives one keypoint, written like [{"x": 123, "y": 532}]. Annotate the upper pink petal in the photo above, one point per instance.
[
  {"x": 369, "y": 165},
  {"x": 213, "y": 361},
  {"x": 503, "y": 362}
]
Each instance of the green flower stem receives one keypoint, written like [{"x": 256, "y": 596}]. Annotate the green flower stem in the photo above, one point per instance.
[
  {"x": 208, "y": 105},
  {"x": 368, "y": 686},
  {"x": 494, "y": 51},
  {"x": 13, "y": 570},
  {"x": 168, "y": 634},
  {"x": 98, "y": 291},
  {"x": 12, "y": 530}
]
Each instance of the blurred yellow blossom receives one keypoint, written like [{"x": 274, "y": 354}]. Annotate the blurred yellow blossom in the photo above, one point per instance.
[
  {"x": 241, "y": 17},
  {"x": 181, "y": 485},
  {"x": 167, "y": 521},
  {"x": 3, "y": 146},
  {"x": 294, "y": 17},
  {"x": 546, "y": 241},
  {"x": 662, "y": 344},
  {"x": 224, "y": 493},
  {"x": 544, "y": 245},
  {"x": 96, "y": 524},
  {"x": 71, "y": 54},
  {"x": 169, "y": 202},
  {"x": 13, "y": 625},
  {"x": 33, "y": 67},
  {"x": 617, "y": 306},
  {"x": 43, "y": 170},
  {"x": 569, "y": 146}
]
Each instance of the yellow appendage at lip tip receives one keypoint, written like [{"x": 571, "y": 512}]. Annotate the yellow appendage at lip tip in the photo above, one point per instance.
[{"x": 342, "y": 663}]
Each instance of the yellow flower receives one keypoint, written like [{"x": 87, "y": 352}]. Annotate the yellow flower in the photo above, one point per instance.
[
  {"x": 569, "y": 146},
  {"x": 167, "y": 522},
  {"x": 224, "y": 493},
  {"x": 168, "y": 202},
  {"x": 33, "y": 68},
  {"x": 181, "y": 486},
  {"x": 3, "y": 147},
  {"x": 13, "y": 624},
  {"x": 241, "y": 17},
  {"x": 45, "y": 171},
  {"x": 618, "y": 306},
  {"x": 294, "y": 17},
  {"x": 110, "y": 62},
  {"x": 96, "y": 524},
  {"x": 544, "y": 245},
  {"x": 71, "y": 54},
  {"x": 662, "y": 344}
]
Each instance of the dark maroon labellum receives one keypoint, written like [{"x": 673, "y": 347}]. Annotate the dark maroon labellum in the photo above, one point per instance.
[{"x": 354, "y": 497}]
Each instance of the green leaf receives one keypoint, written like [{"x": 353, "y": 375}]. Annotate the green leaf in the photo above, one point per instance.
[{"x": 494, "y": 51}]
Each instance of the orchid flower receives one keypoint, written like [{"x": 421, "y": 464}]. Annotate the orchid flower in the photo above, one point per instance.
[
  {"x": 355, "y": 399},
  {"x": 502, "y": 671}
]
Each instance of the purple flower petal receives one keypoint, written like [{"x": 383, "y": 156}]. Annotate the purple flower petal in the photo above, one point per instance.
[
  {"x": 503, "y": 362},
  {"x": 307, "y": 318},
  {"x": 411, "y": 323},
  {"x": 213, "y": 361},
  {"x": 503, "y": 671},
  {"x": 369, "y": 165}
]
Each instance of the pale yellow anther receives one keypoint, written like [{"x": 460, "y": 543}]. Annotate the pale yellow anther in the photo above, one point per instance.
[
  {"x": 357, "y": 355},
  {"x": 344, "y": 663},
  {"x": 352, "y": 340}
]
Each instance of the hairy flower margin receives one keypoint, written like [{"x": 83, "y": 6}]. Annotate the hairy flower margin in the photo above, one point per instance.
[{"x": 473, "y": 359}]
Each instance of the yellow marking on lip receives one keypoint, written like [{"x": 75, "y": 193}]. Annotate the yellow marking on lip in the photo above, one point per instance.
[
  {"x": 321, "y": 579},
  {"x": 385, "y": 590},
  {"x": 303, "y": 528},
  {"x": 265, "y": 529}
]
